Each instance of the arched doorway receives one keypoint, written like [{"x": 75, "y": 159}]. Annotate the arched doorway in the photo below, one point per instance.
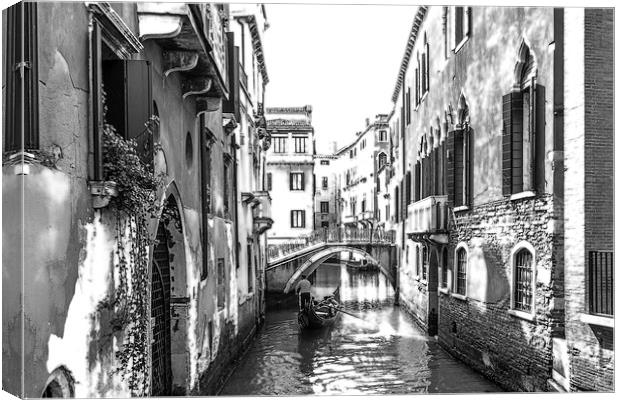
[
  {"x": 169, "y": 306},
  {"x": 60, "y": 384},
  {"x": 161, "y": 382},
  {"x": 433, "y": 301}
]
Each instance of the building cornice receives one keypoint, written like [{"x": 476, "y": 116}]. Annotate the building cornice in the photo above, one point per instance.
[
  {"x": 257, "y": 45},
  {"x": 413, "y": 35}
]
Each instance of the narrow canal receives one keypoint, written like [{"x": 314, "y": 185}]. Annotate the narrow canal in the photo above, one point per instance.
[{"x": 381, "y": 352}]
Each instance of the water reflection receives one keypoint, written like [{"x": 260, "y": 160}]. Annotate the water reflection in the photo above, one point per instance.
[{"x": 381, "y": 353}]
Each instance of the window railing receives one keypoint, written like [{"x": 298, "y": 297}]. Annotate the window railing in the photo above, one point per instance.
[{"x": 601, "y": 282}]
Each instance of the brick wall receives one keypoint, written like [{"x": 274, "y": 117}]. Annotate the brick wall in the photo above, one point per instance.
[
  {"x": 514, "y": 352},
  {"x": 589, "y": 189}
]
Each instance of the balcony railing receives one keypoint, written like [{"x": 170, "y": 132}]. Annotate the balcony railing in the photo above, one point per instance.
[
  {"x": 327, "y": 236},
  {"x": 601, "y": 282},
  {"x": 429, "y": 215}
]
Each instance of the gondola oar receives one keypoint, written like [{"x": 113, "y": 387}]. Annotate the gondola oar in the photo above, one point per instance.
[{"x": 348, "y": 313}]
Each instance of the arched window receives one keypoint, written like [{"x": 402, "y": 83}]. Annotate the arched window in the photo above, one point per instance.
[
  {"x": 460, "y": 145},
  {"x": 444, "y": 268},
  {"x": 523, "y": 134},
  {"x": 523, "y": 277},
  {"x": 382, "y": 160},
  {"x": 461, "y": 271},
  {"x": 59, "y": 384}
]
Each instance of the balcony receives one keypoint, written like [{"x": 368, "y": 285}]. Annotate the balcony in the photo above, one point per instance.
[
  {"x": 427, "y": 220},
  {"x": 260, "y": 201}
]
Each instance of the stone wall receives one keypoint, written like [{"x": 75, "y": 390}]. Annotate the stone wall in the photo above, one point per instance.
[{"x": 480, "y": 328}]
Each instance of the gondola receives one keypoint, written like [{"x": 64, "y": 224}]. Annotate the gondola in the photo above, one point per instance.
[{"x": 319, "y": 315}]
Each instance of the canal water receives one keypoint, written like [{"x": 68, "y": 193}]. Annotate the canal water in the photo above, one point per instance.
[{"x": 381, "y": 352}]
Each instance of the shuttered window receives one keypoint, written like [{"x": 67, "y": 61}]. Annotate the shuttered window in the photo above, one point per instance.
[
  {"x": 417, "y": 179},
  {"x": 21, "y": 78},
  {"x": 459, "y": 172},
  {"x": 444, "y": 268},
  {"x": 269, "y": 181},
  {"x": 424, "y": 262},
  {"x": 523, "y": 140},
  {"x": 298, "y": 218},
  {"x": 221, "y": 284},
  {"x": 297, "y": 181},
  {"x": 408, "y": 188}
]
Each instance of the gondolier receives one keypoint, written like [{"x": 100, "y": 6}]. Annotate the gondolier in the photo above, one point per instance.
[{"x": 303, "y": 288}]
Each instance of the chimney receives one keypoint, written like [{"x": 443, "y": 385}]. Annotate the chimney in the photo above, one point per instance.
[{"x": 367, "y": 122}]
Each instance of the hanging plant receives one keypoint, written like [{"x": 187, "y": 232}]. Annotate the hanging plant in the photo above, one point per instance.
[{"x": 134, "y": 206}]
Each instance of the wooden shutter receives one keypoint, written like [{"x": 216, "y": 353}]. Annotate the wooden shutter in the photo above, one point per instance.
[
  {"x": 292, "y": 213},
  {"x": 303, "y": 218},
  {"x": 469, "y": 165},
  {"x": 129, "y": 100},
  {"x": 539, "y": 138},
  {"x": 290, "y": 181},
  {"x": 450, "y": 166},
  {"x": 21, "y": 67},
  {"x": 408, "y": 188},
  {"x": 418, "y": 182},
  {"x": 516, "y": 118},
  {"x": 507, "y": 144},
  {"x": 303, "y": 181}
]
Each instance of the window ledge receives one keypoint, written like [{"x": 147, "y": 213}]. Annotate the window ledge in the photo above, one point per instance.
[
  {"x": 523, "y": 195},
  {"x": 599, "y": 320},
  {"x": 523, "y": 315},
  {"x": 460, "y": 208},
  {"x": 444, "y": 290},
  {"x": 459, "y": 296}
]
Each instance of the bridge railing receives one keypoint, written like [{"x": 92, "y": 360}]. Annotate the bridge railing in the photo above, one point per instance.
[{"x": 333, "y": 235}]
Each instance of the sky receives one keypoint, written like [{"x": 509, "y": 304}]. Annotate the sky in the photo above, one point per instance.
[{"x": 343, "y": 60}]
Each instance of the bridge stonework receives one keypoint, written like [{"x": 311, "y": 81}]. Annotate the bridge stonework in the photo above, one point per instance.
[{"x": 287, "y": 263}]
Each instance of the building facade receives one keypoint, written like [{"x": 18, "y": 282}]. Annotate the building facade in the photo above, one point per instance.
[
  {"x": 480, "y": 193},
  {"x": 325, "y": 203},
  {"x": 290, "y": 172},
  {"x": 125, "y": 279},
  {"x": 357, "y": 166}
]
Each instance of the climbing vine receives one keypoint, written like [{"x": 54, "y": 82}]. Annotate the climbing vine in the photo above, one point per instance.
[{"x": 134, "y": 206}]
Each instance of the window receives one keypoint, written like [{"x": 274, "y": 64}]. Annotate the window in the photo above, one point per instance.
[
  {"x": 408, "y": 110},
  {"x": 324, "y": 183},
  {"x": 227, "y": 183},
  {"x": 269, "y": 181},
  {"x": 417, "y": 261},
  {"x": 462, "y": 28},
  {"x": 424, "y": 262},
  {"x": 298, "y": 218},
  {"x": 279, "y": 144},
  {"x": 523, "y": 136},
  {"x": 418, "y": 92},
  {"x": 221, "y": 284},
  {"x": 460, "y": 156},
  {"x": 387, "y": 212},
  {"x": 522, "y": 275},
  {"x": 21, "y": 78},
  {"x": 325, "y": 207},
  {"x": 324, "y": 162},
  {"x": 423, "y": 76},
  {"x": 396, "y": 205},
  {"x": 383, "y": 136},
  {"x": 601, "y": 282},
  {"x": 205, "y": 187},
  {"x": 427, "y": 66},
  {"x": 250, "y": 269},
  {"x": 350, "y": 153},
  {"x": 444, "y": 268},
  {"x": 300, "y": 144},
  {"x": 297, "y": 181},
  {"x": 461, "y": 271},
  {"x": 363, "y": 205},
  {"x": 382, "y": 159},
  {"x": 446, "y": 39}
]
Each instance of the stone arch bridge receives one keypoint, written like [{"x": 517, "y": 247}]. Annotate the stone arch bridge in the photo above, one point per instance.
[{"x": 288, "y": 261}]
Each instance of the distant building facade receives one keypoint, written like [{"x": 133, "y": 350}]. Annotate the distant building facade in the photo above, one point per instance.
[
  {"x": 290, "y": 172},
  {"x": 325, "y": 201},
  {"x": 487, "y": 185},
  {"x": 131, "y": 300}
]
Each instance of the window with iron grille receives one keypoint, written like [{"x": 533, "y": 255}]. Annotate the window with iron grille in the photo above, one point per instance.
[
  {"x": 21, "y": 79},
  {"x": 444, "y": 268},
  {"x": 461, "y": 271},
  {"x": 382, "y": 159},
  {"x": 297, "y": 181},
  {"x": 324, "y": 183},
  {"x": 279, "y": 144},
  {"x": 298, "y": 218},
  {"x": 221, "y": 285},
  {"x": 269, "y": 181},
  {"x": 250, "y": 269},
  {"x": 601, "y": 282},
  {"x": 523, "y": 273},
  {"x": 325, "y": 207},
  {"x": 300, "y": 144}
]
